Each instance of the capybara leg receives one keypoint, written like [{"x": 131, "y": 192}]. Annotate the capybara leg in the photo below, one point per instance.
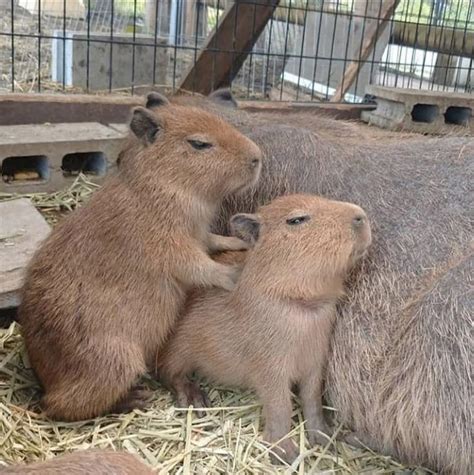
[
  {"x": 311, "y": 401},
  {"x": 137, "y": 398},
  {"x": 277, "y": 412},
  {"x": 199, "y": 270},
  {"x": 188, "y": 393},
  {"x": 86, "y": 395},
  {"x": 226, "y": 243}
]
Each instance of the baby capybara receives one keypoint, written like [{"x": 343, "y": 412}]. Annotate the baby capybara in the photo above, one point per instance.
[
  {"x": 105, "y": 288},
  {"x": 273, "y": 329},
  {"x": 86, "y": 462}
]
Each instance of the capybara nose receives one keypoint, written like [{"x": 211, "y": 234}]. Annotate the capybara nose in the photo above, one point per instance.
[
  {"x": 359, "y": 221},
  {"x": 255, "y": 162}
]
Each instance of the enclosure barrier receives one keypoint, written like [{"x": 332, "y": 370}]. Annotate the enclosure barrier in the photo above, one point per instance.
[{"x": 298, "y": 50}]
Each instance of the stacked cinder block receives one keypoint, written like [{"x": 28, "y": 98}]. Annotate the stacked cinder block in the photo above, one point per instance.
[
  {"x": 47, "y": 157},
  {"x": 430, "y": 112}
]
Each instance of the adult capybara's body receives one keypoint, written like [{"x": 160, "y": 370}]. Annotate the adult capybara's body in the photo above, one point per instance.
[
  {"x": 104, "y": 289},
  {"x": 87, "y": 462},
  {"x": 273, "y": 330},
  {"x": 421, "y": 201},
  {"x": 402, "y": 351}
]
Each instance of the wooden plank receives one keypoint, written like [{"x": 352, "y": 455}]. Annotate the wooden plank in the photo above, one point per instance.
[
  {"x": 228, "y": 45},
  {"x": 446, "y": 40},
  {"x": 337, "y": 111},
  {"x": 17, "y": 109},
  {"x": 372, "y": 34},
  {"x": 22, "y": 231}
]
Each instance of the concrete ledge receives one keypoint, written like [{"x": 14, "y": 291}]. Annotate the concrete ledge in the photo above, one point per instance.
[
  {"x": 23, "y": 230},
  {"x": 48, "y": 157},
  {"x": 421, "y": 111}
]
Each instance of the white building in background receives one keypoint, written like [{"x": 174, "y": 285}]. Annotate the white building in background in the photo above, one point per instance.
[{"x": 74, "y": 8}]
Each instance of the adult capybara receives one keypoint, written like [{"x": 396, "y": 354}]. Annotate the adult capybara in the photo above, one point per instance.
[
  {"x": 104, "y": 289},
  {"x": 402, "y": 352},
  {"x": 86, "y": 462},
  {"x": 273, "y": 330}
]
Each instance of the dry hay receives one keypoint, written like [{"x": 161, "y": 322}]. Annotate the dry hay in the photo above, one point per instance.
[
  {"x": 54, "y": 205},
  {"x": 227, "y": 440}
]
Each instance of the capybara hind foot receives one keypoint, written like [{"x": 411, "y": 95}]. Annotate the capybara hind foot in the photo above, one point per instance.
[
  {"x": 320, "y": 436},
  {"x": 189, "y": 393},
  {"x": 362, "y": 441},
  {"x": 284, "y": 451},
  {"x": 137, "y": 398}
]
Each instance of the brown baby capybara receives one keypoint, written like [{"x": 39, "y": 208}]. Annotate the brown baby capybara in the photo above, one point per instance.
[
  {"x": 401, "y": 359},
  {"x": 273, "y": 330},
  {"x": 104, "y": 289},
  {"x": 85, "y": 462}
]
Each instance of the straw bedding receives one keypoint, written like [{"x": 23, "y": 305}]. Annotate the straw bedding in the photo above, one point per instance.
[{"x": 227, "y": 440}]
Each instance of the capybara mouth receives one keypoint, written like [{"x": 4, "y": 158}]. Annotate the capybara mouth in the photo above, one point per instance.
[
  {"x": 361, "y": 253},
  {"x": 247, "y": 186}
]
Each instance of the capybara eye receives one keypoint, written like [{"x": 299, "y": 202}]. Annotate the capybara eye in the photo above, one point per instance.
[
  {"x": 199, "y": 145},
  {"x": 297, "y": 220}
]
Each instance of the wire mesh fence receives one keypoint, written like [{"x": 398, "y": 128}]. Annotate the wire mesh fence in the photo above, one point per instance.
[{"x": 302, "y": 54}]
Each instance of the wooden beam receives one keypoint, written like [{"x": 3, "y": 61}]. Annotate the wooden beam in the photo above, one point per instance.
[
  {"x": 18, "y": 109},
  {"x": 228, "y": 45},
  {"x": 446, "y": 40},
  {"x": 336, "y": 111},
  {"x": 372, "y": 34}
]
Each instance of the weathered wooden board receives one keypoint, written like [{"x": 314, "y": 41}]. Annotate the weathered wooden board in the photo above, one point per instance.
[
  {"x": 372, "y": 34},
  {"x": 22, "y": 229},
  {"x": 228, "y": 45}
]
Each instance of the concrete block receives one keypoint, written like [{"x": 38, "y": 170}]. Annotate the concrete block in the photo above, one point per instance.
[
  {"x": 22, "y": 229},
  {"x": 91, "y": 62},
  {"x": 420, "y": 110},
  {"x": 47, "y": 157}
]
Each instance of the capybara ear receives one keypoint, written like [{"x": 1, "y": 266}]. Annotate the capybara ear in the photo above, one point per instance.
[
  {"x": 223, "y": 96},
  {"x": 144, "y": 124},
  {"x": 155, "y": 99},
  {"x": 245, "y": 226}
]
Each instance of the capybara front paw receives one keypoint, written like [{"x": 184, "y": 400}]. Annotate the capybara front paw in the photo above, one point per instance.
[
  {"x": 238, "y": 244},
  {"x": 137, "y": 398},
  {"x": 230, "y": 278},
  {"x": 190, "y": 394}
]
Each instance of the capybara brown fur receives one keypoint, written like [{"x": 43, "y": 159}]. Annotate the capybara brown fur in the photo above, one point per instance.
[
  {"x": 273, "y": 329},
  {"x": 104, "y": 289},
  {"x": 85, "y": 462},
  {"x": 401, "y": 359}
]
